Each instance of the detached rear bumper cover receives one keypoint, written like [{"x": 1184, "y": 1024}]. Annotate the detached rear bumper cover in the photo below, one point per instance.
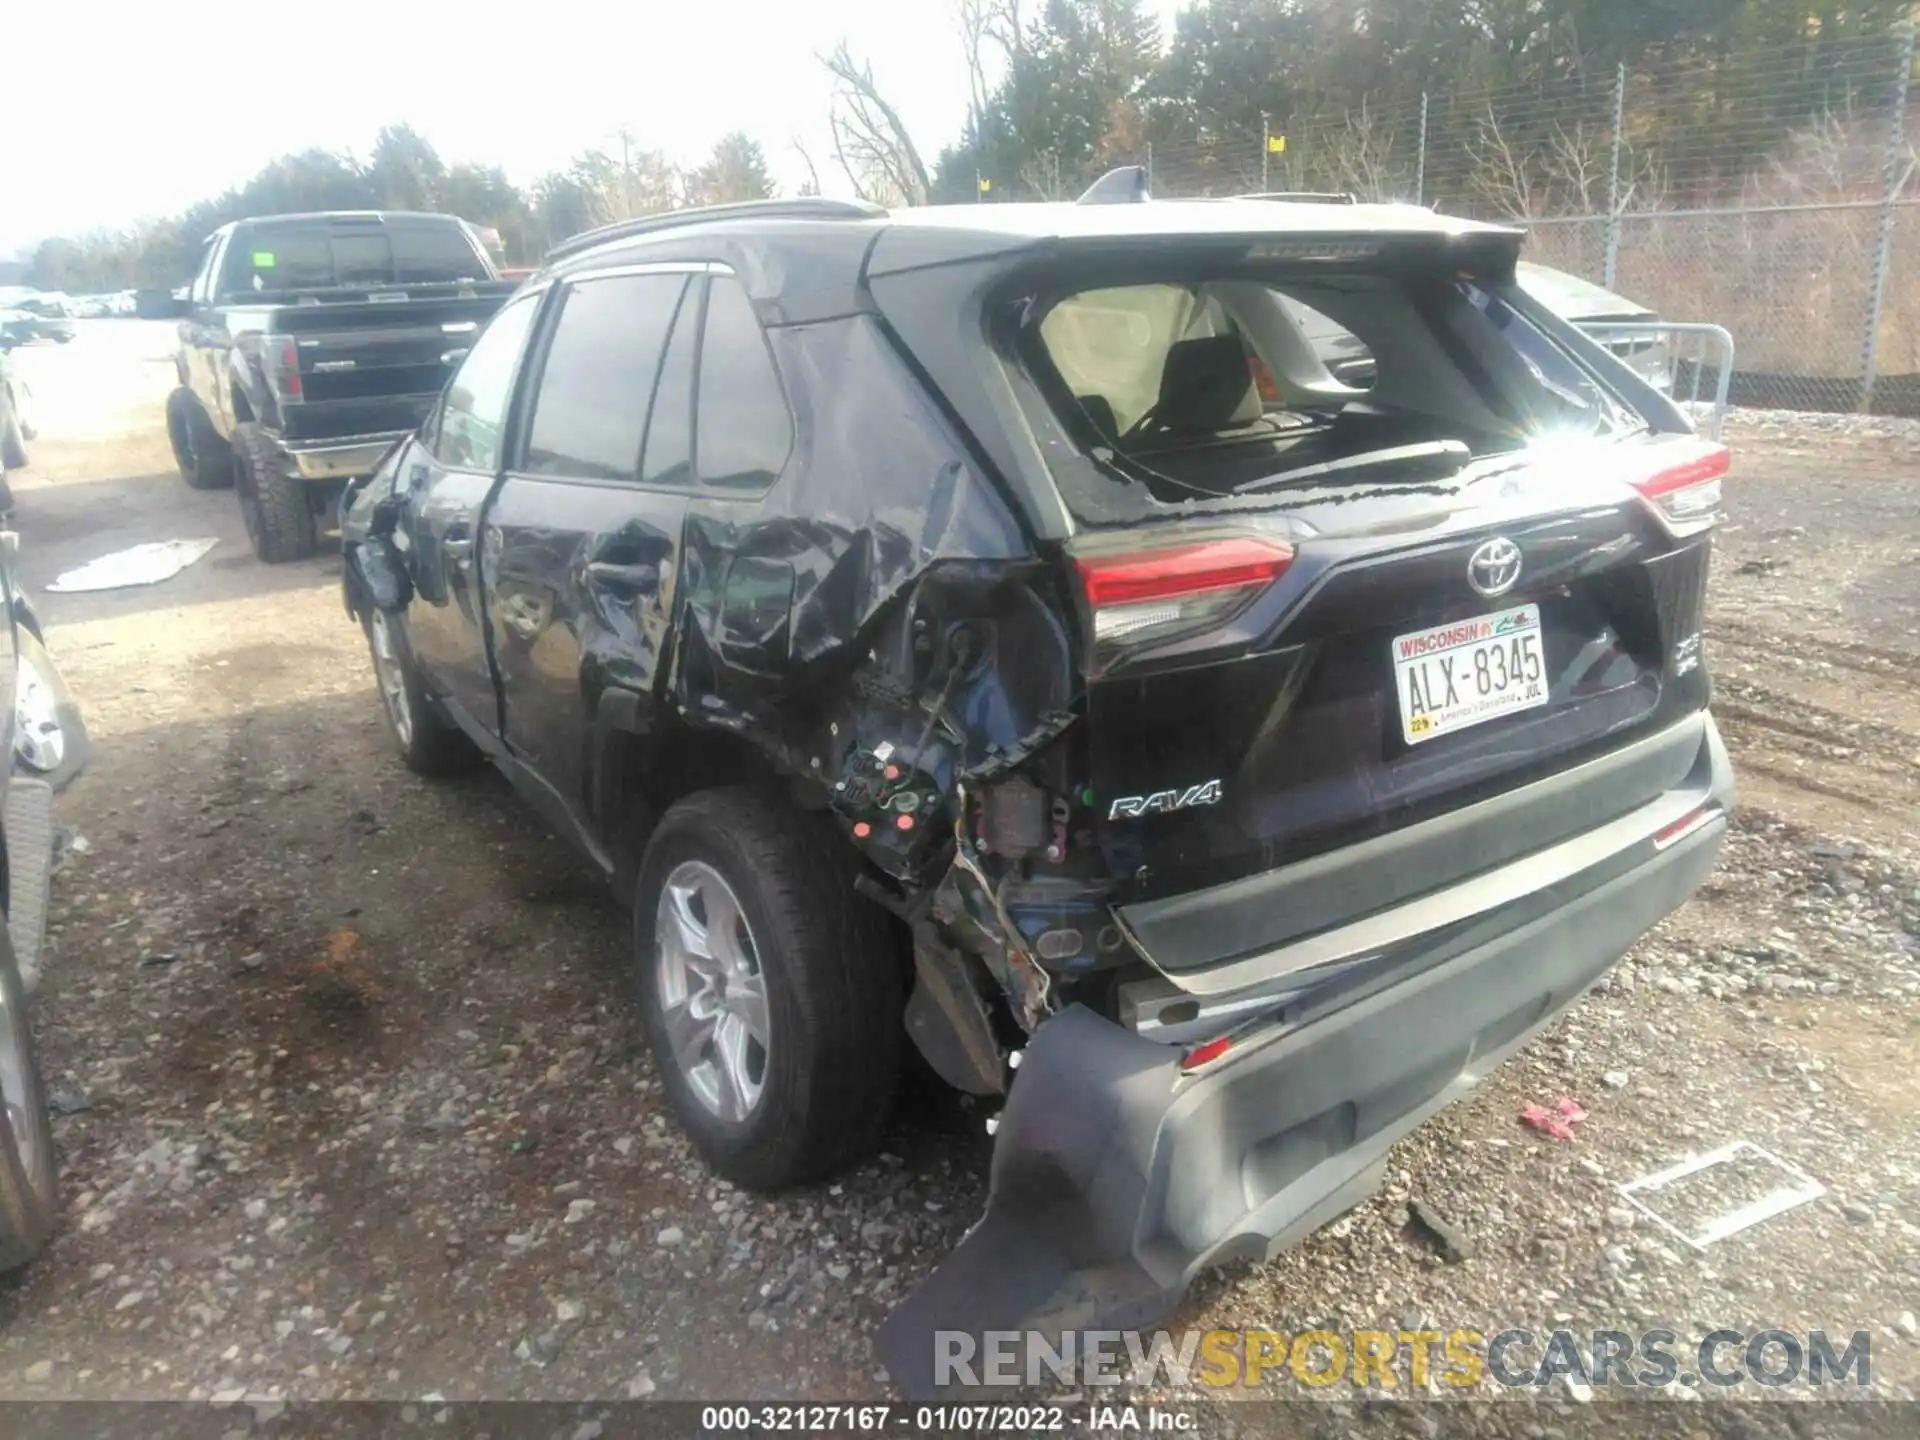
[{"x": 1116, "y": 1180}]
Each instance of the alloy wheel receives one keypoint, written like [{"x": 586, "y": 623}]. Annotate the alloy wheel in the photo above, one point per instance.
[
  {"x": 392, "y": 675},
  {"x": 712, "y": 991}
]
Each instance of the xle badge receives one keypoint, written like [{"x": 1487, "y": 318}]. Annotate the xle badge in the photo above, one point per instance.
[{"x": 1164, "y": 802}]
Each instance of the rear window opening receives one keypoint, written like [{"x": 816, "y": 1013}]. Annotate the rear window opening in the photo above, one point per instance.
[{"x": 1202, "y": 388}]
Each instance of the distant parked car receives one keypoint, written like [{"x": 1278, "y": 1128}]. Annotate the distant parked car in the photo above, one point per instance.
[
  {"x": 52, "y": 314},
  {"x": 1585, "y": 303},
  {"x": 17, "y": 327},
  {"x": 1579, "y": 301}
]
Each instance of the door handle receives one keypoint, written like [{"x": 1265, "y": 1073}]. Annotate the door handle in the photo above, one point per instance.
[
  {"x": 457, "y": 550},
  {"x": 634, "y": 576}
]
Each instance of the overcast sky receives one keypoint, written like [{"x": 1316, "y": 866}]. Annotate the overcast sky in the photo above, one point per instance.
[{"x": 121, "y": 116}]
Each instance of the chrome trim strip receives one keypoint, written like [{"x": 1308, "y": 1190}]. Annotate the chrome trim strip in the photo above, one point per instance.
[
  {"x": 1391, "y": 928},
  {"x": 645, "y": 267}
]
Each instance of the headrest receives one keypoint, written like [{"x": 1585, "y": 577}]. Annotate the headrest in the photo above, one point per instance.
[{"x": 1207, "y": 385}]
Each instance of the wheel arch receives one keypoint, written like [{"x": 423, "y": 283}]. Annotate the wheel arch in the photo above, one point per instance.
[{"x": 640, "y": 771}]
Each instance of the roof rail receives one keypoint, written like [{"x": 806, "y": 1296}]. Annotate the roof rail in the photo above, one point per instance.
[
  {"x": 1301, "y": 197},
  {"x": 806, "y": 207},
  {"x": 1126, "y": 185}
]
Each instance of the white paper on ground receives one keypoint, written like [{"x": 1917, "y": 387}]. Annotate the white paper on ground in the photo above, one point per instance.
[{"x": 146, "y": 564}]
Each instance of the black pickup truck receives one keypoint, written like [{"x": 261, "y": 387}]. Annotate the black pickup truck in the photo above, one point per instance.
[{"x": 308, "y": 345}]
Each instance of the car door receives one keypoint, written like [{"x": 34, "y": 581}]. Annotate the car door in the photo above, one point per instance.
[
  {"x": 583, "y": 537},
  {"x": 445, "y": 476}
]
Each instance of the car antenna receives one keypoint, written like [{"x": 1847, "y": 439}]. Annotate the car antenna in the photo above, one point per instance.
[{"x": 1125, "y": 186}]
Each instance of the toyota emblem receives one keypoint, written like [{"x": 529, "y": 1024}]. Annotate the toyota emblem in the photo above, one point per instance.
[{"x": 1494, "y": 568}]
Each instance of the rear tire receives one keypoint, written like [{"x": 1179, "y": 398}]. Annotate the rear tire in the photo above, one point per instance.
[
  {"x": 27, "y": 1185},
  {"x": 429, "y": 743},
  {"x": 273, "y": 502},
  {"x": 205, "y": 460},
  {"x": 822, "y": 959}
]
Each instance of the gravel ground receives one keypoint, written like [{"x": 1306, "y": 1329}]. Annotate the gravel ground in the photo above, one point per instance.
[{"x": 353, "y": 1106}]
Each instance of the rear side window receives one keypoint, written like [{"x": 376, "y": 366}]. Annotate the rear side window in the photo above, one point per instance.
[
  {"x": 473, "y": 412},
  {"x": 590, "y": 410},
  {"x": 669, "y": 452},
  {"x": 1344, "y": 354},
  {"x": 744, "y": 430}
]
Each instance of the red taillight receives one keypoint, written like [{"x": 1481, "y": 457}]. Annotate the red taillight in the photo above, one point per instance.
[
  {"x": 1683, "y": 480},
  {"x": 283, "y": 370},
  {"x": 1184, "y": 570},
  {"x": 1684, "y": 826},
  {"x": 1152, "y": 595},
  {"x": 1206, "y": 1054}
]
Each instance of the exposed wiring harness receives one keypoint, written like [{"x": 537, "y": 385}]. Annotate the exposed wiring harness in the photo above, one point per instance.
[{"x": 1010, "y": 933}]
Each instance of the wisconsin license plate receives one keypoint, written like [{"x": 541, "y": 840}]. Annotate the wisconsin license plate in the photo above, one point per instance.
[{"x": 1467, "y": 673}]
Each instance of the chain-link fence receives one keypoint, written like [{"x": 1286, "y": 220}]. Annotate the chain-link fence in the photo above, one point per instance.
[{"x": 1775, "y": 194}]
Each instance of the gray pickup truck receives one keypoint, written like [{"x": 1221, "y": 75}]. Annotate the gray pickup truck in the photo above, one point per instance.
[{"x": 308, "y": 345}]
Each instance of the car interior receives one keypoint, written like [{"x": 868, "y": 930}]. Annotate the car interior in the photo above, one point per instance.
[{"x": 1217, "y": 387}]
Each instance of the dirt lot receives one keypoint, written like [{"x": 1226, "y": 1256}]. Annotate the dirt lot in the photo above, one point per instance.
[{"x": 355, "y": 1105}]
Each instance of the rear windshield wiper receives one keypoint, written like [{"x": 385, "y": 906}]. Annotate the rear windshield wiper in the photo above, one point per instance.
[{"x": 1430, "y": 460}]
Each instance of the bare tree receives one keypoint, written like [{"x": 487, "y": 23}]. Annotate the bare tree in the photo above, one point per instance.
[
  {"x": 984, "y": 26},
  {"x": 1837, "y": 157},
  {"x": 971, "y": 18},
  {"x": 1040, "y": 173},
  {"x": 1500, "y": 172},
  {"x": 1360, "y": 159},
  {"x": 869, "y": 138},
  {"x": 812, "y": 184},
  {"x": 1573, "y": 166},
  {"x": 1564, "y": 173}
]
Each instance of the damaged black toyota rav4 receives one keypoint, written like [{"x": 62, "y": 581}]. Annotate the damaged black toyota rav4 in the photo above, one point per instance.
[{"x": 996, "y": 626}]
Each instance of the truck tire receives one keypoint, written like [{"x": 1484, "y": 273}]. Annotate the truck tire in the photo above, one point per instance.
[
  {"x": 27, "y": 1186},
  {"x": 13, "y": 434},
  {"x": 790, "y": 949},
  {"x": 273, "y": 501},
  {"x": 205, "y": 461},
  {"x": 429, "y": 743}
]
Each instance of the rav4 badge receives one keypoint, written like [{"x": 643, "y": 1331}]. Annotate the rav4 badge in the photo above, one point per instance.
[{"x": 1163, "y": 802}]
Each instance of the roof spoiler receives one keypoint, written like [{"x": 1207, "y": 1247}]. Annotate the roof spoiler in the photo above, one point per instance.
[{"x": 1125, "y": 186}]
